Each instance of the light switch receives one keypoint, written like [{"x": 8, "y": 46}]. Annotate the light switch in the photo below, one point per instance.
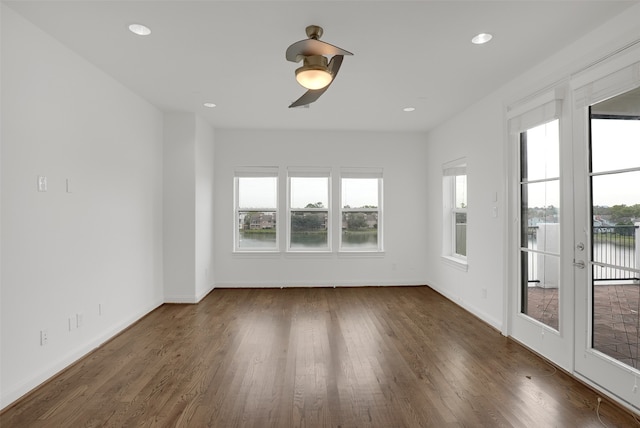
[
  {"x": 42, "y": 183},
  {"x": 494, "y": 212},
  {"x": 68, "y": 186}
]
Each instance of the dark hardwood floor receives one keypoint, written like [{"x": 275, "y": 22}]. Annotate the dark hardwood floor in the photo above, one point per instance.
[{"x": 321, "y": 357}]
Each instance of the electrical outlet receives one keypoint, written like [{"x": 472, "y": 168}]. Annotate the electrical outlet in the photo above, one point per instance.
[{"x": 44, "y": 337}]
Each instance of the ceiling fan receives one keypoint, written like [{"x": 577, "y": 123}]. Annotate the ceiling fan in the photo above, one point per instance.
[{"x": 317, "y": 72}]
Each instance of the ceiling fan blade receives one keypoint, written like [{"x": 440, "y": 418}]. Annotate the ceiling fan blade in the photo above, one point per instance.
[
  {"x": 297, "y": 51},
  {"x": 312, "y": 95},
  {"x": 334, "y": 66}
]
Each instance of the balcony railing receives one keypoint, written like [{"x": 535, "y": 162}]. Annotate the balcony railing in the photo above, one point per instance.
[
  {"x": 615, "y": 253},
  {"x": 616, "y": 248}
]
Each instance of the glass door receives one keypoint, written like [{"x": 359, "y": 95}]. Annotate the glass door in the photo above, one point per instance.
[
  {"x": 607, "y": 247},
  {"x": 541, "y": 308}
]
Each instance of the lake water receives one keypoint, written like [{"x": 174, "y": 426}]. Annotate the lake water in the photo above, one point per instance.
[{"x": 357, "y": 240}]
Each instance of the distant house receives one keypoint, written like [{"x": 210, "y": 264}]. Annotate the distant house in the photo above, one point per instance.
[
  {"x": 601, "y": 225},
  {"x": 262, "y": 221}
]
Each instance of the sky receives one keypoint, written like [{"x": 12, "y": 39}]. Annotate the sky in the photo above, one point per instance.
[
  {"x": 615, "y": 146},
  {"x": 261, "y": 192}
]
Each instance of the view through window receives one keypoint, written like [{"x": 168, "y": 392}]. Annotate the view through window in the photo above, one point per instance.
[
  {"x": 455, "y": 204},
  {"x": 256, "y": 213},
  {"x": 309, "y": 213},
  {"x": 615, "y": 231},
  {"x": 310, "y": 219},
  {"x": 360, "y": 213},
  {"x": 540, "y": 222},
  {"x": 459, "y": 213}
]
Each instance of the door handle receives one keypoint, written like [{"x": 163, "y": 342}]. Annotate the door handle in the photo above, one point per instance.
[{"x": 579, "y": 264}]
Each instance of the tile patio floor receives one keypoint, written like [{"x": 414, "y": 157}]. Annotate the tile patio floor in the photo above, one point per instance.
[{"x": 616, "y": 318}]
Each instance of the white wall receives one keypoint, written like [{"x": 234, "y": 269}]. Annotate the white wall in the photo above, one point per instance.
[
  {"x": 67, "y": 253},
  {"x": 204, "y": 192},
  {"x": 402, "y": 157},
  {"x": 188, "y": 207},
  {"x": 477, "y": 135},
  {"x": 179, "y": 207}
]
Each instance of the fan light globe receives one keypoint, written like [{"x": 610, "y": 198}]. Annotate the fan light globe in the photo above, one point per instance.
[
  {"x": 314, "y": 73},
  {"x": 313, "y": 79}
]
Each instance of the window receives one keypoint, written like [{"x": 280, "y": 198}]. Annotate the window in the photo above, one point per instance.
[
  {"x": 311, "y": 224},
  {"x": 361, "y": 212},
  {"x": 459, "y": 213},
  {"x": 454, "y": 193},
  {"x": 256, "y": 212},
  {"x": 309, "y": 211}
]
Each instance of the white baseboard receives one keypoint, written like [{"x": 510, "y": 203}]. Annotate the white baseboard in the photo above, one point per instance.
[
  {"x": 475, "y": 311},
  {"x": 322, "y": 284},
  {"x": 181, "y": 299},
  {"x": 204, "y": 293}
]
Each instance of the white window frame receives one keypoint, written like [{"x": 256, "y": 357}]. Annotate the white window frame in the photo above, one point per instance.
[
  {"x": 266, "y": 172},
  {"x": 309, "y": 173},
  {"x": 366, "y": 173},
  {"x": 450, "y": 171}
]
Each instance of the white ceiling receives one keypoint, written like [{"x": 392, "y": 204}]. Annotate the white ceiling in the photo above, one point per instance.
[{"x": 232, "y": 53}]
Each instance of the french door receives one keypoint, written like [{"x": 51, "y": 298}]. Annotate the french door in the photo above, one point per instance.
[
  {"x": 575, "y": 229},
  {"x": 607, "y": 237}
]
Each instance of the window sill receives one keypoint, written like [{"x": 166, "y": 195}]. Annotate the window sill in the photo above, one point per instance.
[
  {"x": 308, "y": 254},
  {"x": 248, "y": 254},
  {"x": 365, "y": 254},
  {"x": 456, "y": 263}
]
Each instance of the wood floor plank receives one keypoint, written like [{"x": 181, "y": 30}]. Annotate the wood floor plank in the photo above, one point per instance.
[{"x": 346, "y": 357}]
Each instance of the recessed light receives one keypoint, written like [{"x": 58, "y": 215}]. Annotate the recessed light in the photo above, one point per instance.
[
  {"x": 139, "y": 29},
  {"x": 408, "y": 109},
  {"x": 210, "y": 105},
  {"x": 481, "y": 38}
]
